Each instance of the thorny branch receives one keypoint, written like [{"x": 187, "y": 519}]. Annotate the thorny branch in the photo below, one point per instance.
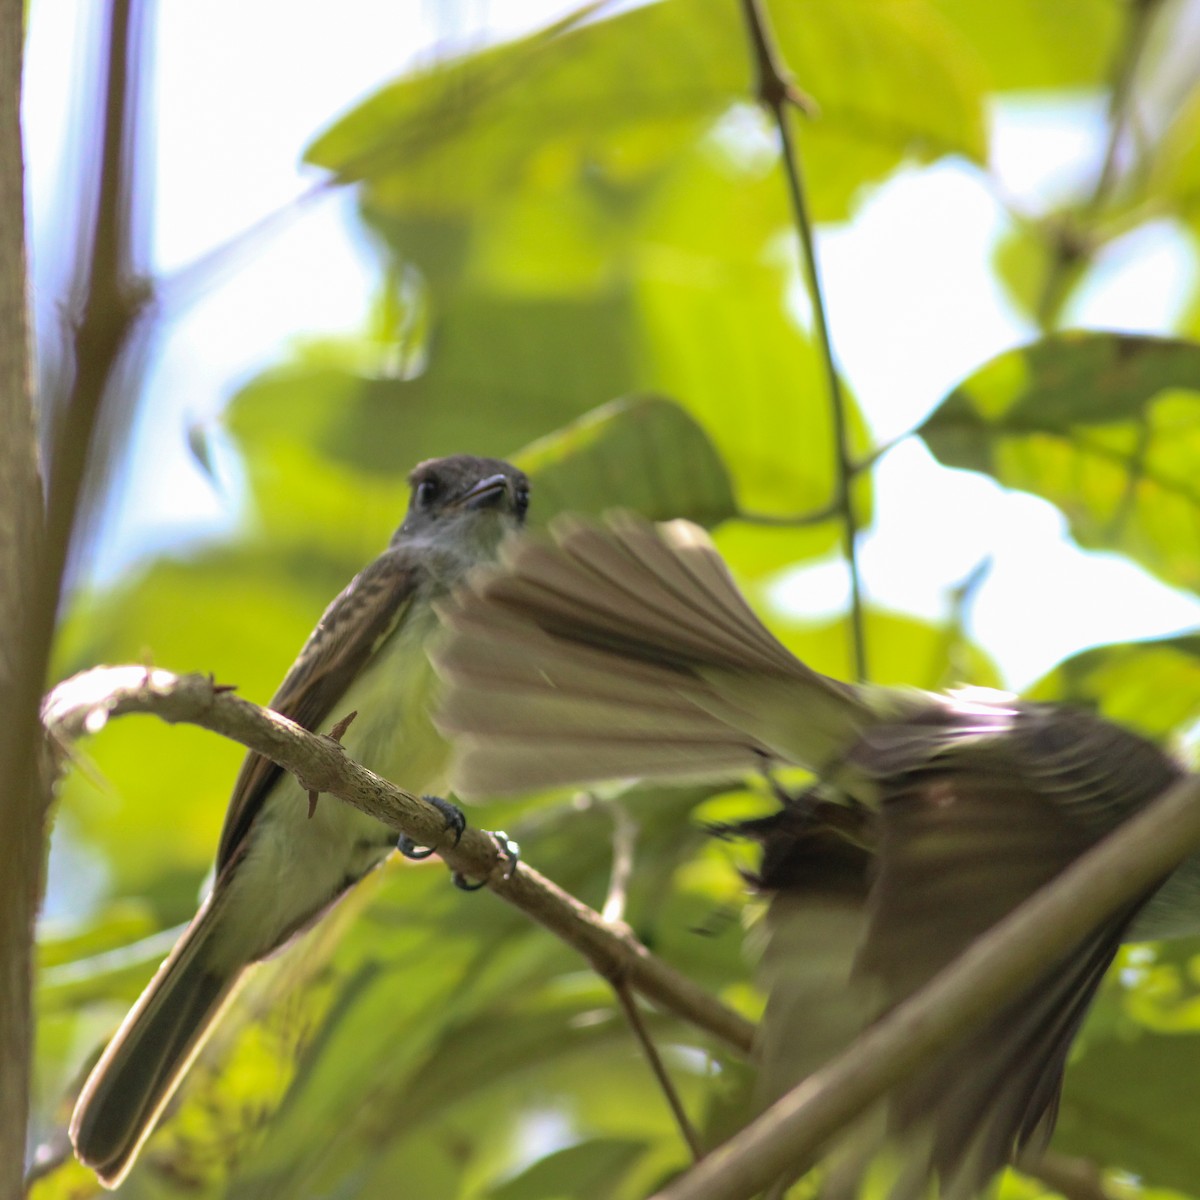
[{"x": 86, "y": 702}]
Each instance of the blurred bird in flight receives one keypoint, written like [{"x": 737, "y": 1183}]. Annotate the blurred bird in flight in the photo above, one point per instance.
[{"x": 623, "y": 650}]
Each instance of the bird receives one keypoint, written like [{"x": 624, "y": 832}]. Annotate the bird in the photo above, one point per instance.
[
  {"x": 622, "y": 650},
  {"x": 280, "y": 864}
]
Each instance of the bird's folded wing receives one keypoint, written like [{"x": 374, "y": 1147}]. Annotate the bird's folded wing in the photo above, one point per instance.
[{"x": 354, "y": 626}]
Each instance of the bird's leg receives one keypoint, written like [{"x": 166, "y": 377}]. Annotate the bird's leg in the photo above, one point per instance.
[
  {"x": 454, "y": 819},
  {"x": 510, "y": 852},
  {"x": 796, "y": 809}
]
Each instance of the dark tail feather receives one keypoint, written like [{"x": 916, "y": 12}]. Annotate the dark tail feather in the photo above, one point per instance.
[{"x": 143, "y": 1064}]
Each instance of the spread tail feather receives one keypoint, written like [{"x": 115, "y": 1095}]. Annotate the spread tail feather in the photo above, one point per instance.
[
  {"x": 143, "y": 1064},
  {"x": 623, "y": 650}
]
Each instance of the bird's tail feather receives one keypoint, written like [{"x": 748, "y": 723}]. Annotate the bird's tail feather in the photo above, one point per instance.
[
  {"x": 143, "y": 1064},
  {"x": 617, "y": 651}
]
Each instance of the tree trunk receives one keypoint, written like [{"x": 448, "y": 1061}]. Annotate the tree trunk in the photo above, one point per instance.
[{"x": 22, "y": 645}]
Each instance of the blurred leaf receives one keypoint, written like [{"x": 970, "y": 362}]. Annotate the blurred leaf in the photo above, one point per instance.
[
  {"x": 534, "y": 113},
  {"x": 585, "y": 1171},
  {"x": 1028, "y": 44},
  {"x": 1106, "y": 426},
  {"x": 1153, "y": 686},
  {"x": 648, "y": 455},
  {"x": 887, "y": 77},
  {"x": 903, "y": 651},
  {"x": 1176, "y": 166},
  {"x": 1032, "y": 253},
  {"x": 117, "y": 925},
  {"x": 755, "y": 384},
  {"x": 1131, "y": 1104},
  {"x": 604, "y": 105},
  {"x": 321, "y": 439}
]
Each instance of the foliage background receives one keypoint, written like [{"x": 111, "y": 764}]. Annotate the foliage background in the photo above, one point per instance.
[{"x": 561, "y": 220}]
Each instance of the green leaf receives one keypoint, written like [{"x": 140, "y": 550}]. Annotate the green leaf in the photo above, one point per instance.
[
  {"x": 887, "y": 78},
  {"x": 328, "y": 447},
  {"x": 1175, "y": 173},
  {"x": 903, "y": 651},
  {"x": 545, "y": 110},
  {"x": 1151, "y": 686},
  {"x": 1131, "y": 1104},
  {"x": 600, "y": 108},
  {"x": 586, "y": 1171},
  {"x": 647, "y": 454},
  {"x": 1106, "y": 426},
  {"x": 1029, "y": 44}
]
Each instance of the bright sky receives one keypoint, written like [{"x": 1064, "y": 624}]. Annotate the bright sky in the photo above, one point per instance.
[{"x": 233, "y": 113}]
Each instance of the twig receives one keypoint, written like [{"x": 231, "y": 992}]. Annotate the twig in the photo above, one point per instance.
[
  {"x": 777, "y": 93},
  {"x": 816, "y": 517},
  {"x": 84, "y": 703},
  {"x": 1072, "y": 1178},
  {"x": 108, "y": 302},
  {"x": 787, "y": 1138},
  {"x": 624, "y": 842},
  {"x": 650, "y": 1050},
  {"x": 1072, "y": 242}
]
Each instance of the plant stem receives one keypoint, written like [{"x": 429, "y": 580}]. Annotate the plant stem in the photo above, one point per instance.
[
  {"x": 776, "y": 93},
  {"x": 1073, "y": 243}
]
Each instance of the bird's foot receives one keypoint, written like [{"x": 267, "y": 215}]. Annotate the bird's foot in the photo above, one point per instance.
[
  {"x": 510, "y": 852},
  {"x": 756, "y": 828},
  {"x": 454, "y": 820}
]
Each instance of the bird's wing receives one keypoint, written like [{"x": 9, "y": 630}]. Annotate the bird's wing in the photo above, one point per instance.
[
  {"x": 817, "y": 863},
  {"x": 353, "y": 628},
  {"x": 963, "y": 838},
  {"x": 613, "y": 651}
]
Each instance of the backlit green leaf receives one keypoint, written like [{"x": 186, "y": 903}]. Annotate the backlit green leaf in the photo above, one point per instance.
[{"x": 1104, "y": 425}]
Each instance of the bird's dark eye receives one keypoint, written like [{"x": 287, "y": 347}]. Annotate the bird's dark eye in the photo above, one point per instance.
[
  {"x": 426, "y": 492},
  {"x": 521, "y": 499}
]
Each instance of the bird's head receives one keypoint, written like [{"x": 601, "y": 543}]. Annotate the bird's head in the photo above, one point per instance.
[{"x": 474, "y": 501}]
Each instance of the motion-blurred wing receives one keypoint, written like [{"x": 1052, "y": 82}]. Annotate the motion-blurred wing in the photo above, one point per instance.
[
  {"x": 964, "y": 838},
  {"x": 615, "y": 651}
]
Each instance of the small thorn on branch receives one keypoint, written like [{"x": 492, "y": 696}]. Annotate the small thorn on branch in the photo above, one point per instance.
[
  {"x": 334, "y": 735},
  {"x": 337, "y": 732}
]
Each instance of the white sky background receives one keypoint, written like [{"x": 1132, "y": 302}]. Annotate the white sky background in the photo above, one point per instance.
[{"x": 911, "y": 297}]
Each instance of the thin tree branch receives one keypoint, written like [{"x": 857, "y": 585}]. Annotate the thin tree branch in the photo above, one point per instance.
[
  {"x": 1072, "y": 1178},
  {"x": 777, "y": 93},
  {"x": 817, "y": 516},
  {"x": 84, "y": 703},
  {"x": 1073, "y": 243},
  {"x": 624, "y": 842},
  {"x": 658, "y": 1067},
  {"x": 788, "y": 1137},
  {"x": 107, "y": 301}
]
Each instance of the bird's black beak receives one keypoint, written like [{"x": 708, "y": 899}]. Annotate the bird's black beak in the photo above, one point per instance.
[{"x": 486, "y": 492}]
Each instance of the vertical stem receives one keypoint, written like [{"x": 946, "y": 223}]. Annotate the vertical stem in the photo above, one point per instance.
[
  {"x": 21, "y": 808},
  {"x": 776, "y": 94},
  {"x": 33, "y": 553},
  {"x": 658, "y": 1067},
  {"x": 106, "y": 298},
  {"x": 1072, "y": 244}
]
